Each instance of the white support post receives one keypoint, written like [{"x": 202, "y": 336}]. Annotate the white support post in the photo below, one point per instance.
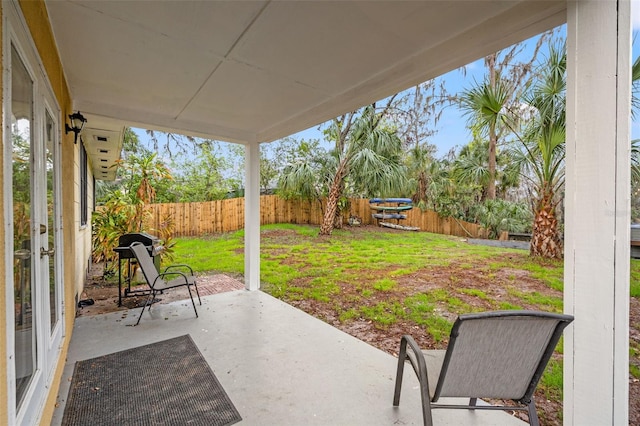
[
  {"x": 596, "y": 289},
  {"x": 252, "y": 217}
]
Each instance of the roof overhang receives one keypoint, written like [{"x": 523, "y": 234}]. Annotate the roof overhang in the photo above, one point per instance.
[
  {"x": 256, "y": 71},
  {"x": 102, "y": 138}
]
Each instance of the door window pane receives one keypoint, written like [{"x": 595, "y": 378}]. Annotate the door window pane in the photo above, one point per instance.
[{"x": 21, "y": 124}]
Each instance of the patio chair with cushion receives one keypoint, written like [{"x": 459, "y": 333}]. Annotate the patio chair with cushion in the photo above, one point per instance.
[
  {"x": 497, "y": 355},
  {"x": 157, "y": 282}
]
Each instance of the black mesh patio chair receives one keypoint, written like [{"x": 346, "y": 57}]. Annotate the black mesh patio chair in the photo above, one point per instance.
[
  {"x": 157, "y": 282},
  {"x": 496, "y": 355}
]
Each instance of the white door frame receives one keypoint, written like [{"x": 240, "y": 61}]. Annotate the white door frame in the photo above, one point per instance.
[{"x": 48, "y": 341}]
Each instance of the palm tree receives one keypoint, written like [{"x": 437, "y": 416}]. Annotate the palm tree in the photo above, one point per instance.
[
  {"x": 366, "y": 161},
  {"x": 635, "y": 105},
  {"x": 419, "y": 161},
  {"x": 471, "y": 167},
  {"x": 485, "y": 105},
  {"x": 540, "y": 154},
  {"x": 635, "y": 88},
  {"x": 301, "y": 180},
  {"x": 442, "y": 191},
  {"x": 635, "y": 143},
  {"x": 542, "y": 151},
  {"x": 369, "y": 153}
]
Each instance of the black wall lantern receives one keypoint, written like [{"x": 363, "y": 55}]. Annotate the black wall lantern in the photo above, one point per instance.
[{"x": 77, "y": 123}]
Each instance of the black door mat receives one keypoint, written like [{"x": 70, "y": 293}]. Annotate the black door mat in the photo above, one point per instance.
[{"x": 164, "y": 383}]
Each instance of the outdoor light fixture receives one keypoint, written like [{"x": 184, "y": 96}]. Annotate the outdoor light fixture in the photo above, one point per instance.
[{"x": 77, "y": 123}]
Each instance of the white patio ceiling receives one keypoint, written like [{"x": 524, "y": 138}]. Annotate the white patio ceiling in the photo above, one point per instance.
[{"x": 255, "y": 71}]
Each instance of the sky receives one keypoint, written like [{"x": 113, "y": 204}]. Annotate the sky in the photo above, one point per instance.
[{"x": 451, "y": 129}]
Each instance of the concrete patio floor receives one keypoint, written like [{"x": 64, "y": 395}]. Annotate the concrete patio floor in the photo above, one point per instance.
[{"x": 279, "y": 365}]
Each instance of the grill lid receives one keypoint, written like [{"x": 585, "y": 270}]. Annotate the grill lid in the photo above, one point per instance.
[{"x": 126, "y": 240}]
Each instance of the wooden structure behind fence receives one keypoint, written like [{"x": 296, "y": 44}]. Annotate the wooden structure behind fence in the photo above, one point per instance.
[{"x": 213, "y": 217}]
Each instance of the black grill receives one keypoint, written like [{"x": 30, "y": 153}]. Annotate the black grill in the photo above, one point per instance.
[{"x": 151, "y": 242}]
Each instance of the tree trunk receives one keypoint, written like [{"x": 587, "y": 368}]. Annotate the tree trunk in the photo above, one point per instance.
[
  {"x": 493, "y": 141},
  {"x": 328, "y": 220},
  {"x": 337, "y": 220},
  {"x": 330, "y": 212},
  {"x": 494, "y": 70},
  {"x": 421, "y": 192},
  {"x": 545, "y": 239}
]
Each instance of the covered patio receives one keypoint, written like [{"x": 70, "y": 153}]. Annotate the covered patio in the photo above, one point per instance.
[
  {"x": 251, "y": 72},
  {"x": 279, "y": 365}
]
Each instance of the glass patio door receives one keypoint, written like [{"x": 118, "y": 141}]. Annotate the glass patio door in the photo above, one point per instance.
[
  {"x": 37, "y": 282},
  {"x": 26, "y": 262}
]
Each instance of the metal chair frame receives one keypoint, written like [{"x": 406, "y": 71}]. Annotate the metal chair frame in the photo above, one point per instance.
[
  {"x": 409, "y": 350},
  {"x": 156, "y": 280}
]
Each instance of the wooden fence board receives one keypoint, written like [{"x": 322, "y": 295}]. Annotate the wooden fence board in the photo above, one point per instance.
[{"x": 212, "y": 217}]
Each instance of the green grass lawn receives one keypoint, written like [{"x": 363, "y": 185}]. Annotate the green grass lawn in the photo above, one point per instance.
[{"x": 406, "y": 280}]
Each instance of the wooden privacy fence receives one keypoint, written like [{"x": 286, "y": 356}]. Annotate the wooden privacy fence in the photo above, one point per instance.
[{"x": 212, "y": 217}]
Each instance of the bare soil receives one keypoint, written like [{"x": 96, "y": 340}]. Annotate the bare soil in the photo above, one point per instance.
[{"x": 451, "y": 277}]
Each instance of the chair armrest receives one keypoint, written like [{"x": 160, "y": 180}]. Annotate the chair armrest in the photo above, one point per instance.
[
  {"x": 179, "y": 266},
  {"x": 165, "y": 274}
]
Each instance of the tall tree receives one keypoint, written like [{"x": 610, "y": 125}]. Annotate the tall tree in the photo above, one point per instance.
[
  {"x": 142, "y": 173},
  {"x": 419, "y": 160},
  {"x": 635, "y": 105},
  {"x": 303, "y": 174},
  {"x": 199, "y": 178},
  {"x": 542, "y": 151},
  {"x": 369, "y": 151},
  {"x": 416, "y": 114},
  {"x": 506, "y": 79},
  {"x": 485, "y": 106},
  {"x": 276, "y": 156},
  {"x": 471, "y": 167},
  {"x": 366, "y": 160},
  {"x": 169, "y": 144}
]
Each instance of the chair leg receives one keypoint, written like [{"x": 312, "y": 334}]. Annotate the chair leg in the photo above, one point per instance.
[
  {"x": 192, "y": 302},
  {"x": 149, "y": 301},
  {"x": 472, "y": 403},
  {"x": 402, "y": 356},
  {"x": 533, "y": 415},
  {"x": 140, "y": 317},
  {"x": 197, "y": 292}
]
